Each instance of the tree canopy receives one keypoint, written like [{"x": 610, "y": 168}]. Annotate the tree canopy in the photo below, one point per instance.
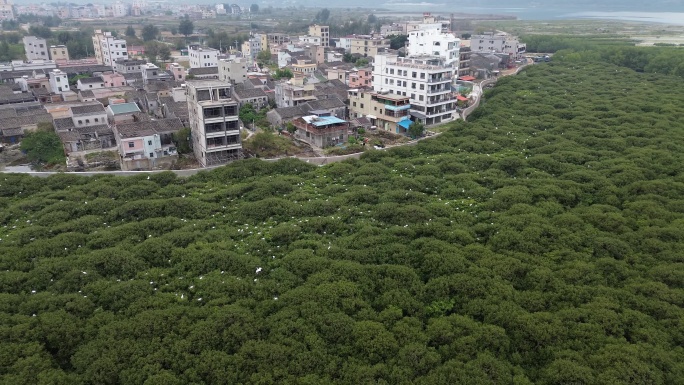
[
  {"x": 186, "y": 26},
  {"x": 538, "y": 243},
  {"x": 149, "y": 32}
]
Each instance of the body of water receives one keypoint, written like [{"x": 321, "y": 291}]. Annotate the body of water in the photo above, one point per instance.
[{"x": 539, "y": 13}]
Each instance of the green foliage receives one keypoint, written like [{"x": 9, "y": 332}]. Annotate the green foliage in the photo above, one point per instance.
[
  {"x": 322, "y": 16},
  {"x": 290, "y": 127},
  {"x": 74, "y": 79},
  {"x": 254, "y": 8},
  {"x": 186, "y": 26},
  {"x": 43, "y": 146},
  {"x": 361, "y": 62},
  {"x": 264, "y": 56},
  {"x": 283, "y": 73},
  {"x": 398, "y": 41},
  {"x": 416, "y": 129},
  {"x": 182, "y": 140},
  {"x": 537, "y": 243},
  {"x": 149, "y": 32},
  {"x": 130, "y": 32},
  {"x": 40, "y": 31}
]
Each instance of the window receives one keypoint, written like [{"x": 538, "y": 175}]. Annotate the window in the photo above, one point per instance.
[
  {"x": 354, "y": 104},
  {"x": 87, "y": 121},
  {"x": 413, "y": 86},
  {"x": 361, "y": 105},
  {"x": 420, "y": 97},
  {"x": 97, "y": 119},
  {"x": 422, "y": 86},
  {"x": 131, "y": 144},
  {"x": 80, "y": 122},
  {"x": 151, "y": 154},
  {"x": 149, "y": 142}
]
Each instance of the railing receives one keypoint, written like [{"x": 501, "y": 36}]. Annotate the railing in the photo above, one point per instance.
[
  {"x": 445, "y": 98},
  {"x": 397, "y": 114},
  {"x": 440, "y": 80},
  {"x": 437, "y": 91}
]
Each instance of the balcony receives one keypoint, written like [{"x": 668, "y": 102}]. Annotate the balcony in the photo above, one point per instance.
[
  {"x": 431, "y": 112},
  {"x": 441, "y": 99},
  {"x": 443, "y": 79},
  {"x": 441, "y": 90},
  {"x": 396, "y": 114}
]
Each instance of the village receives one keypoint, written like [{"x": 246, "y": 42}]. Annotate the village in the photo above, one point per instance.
[{"x": 277, "y": 94}]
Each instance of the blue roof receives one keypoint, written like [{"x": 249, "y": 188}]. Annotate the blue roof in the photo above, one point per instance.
[
  {"x": 323, "y": 120},
  {"x": 406, "y": 123},
  {"x": 124, "y": 108}
]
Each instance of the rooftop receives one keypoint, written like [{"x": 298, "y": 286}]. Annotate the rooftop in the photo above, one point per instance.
[
  {"x": 203, "y": 71},
  {"x": 148, "y": 127},
  {"x": 248, "y": 93},
  {"x": 123, "y": 108},
  {"x": 90, "y": 80},
  {"x": 87, "y": 109},
  {"x": 321, "y": 121}
]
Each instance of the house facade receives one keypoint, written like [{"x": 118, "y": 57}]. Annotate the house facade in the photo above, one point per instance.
[
  {"x": 202, "y": 56},
  {"x": 109, "y": 49},
  {"x": 321, "y": 131},
  {"x": 293, "y": 92},
  {"x": 426, "y": 80},
  {"x": 213, "y": 116},
  {"x": 36, "y": 48},
  {"x": 388, "y": 112}
]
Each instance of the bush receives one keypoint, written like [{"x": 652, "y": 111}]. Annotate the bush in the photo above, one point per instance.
[{"x": 43, "y": 147}]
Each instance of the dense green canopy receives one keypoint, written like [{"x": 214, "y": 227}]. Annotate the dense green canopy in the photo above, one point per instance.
[{"x": 540, "y": 242}]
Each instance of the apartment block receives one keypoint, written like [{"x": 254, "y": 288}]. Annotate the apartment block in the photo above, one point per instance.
[
  {"x": 59, "y": 52},
  {"x": 426, "y": 80},
  {"x": 323, "y": 31},
  {"x": 233, "y": 70},
  {"x": 366, "y": 45},
  {"x": 201, "y": 57},
  {"x": 130, "y": 66},
  {"x": 294, "y": 92},
  {"x": 108, "y": 49},
  {"x": 59, "y": 81},
  {"x": 498, "y": 43},
  {"x": 389, "y": 112},
  {"x": 6, "y": 10},
  {"x": 429, "y": 40},
  {"x": 252, "y": 46},
  {"x": 213, "y": 117},
  {"x": 36, "y": 48}
]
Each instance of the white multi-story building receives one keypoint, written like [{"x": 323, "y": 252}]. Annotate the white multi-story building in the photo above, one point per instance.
[
  {"x": 201, "y": 57},
  {"x": 213, "y": 116},
  {"x": 233, "y": 70},
  {"x": 430, "y": 40},
  {"x": 109, "y": 49},
  {"x": 500, "y": 42},
  {"x": 251, "y": 47},
  {"x": 6, "y": 10},
  {"x": 59, "y": 81},
  {"x": 425, "y": 79},
  {"x": 119, "y": 9},
  {"x": 36, "y": 48}
]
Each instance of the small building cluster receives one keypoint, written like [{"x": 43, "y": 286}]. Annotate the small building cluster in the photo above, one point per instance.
[{"x": 324, "y": 87}]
